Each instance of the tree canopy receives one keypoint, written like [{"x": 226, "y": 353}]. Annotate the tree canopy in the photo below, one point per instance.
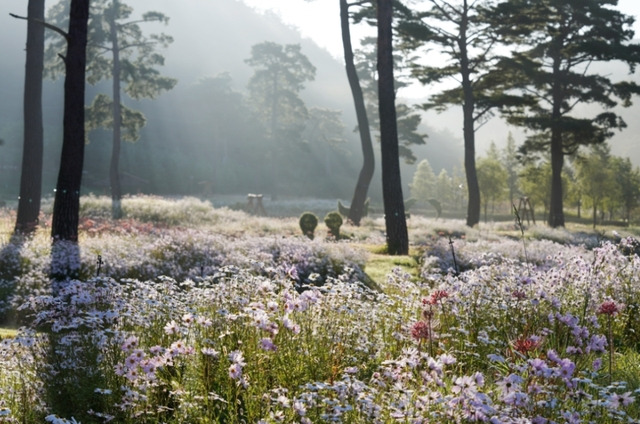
[
  {"x": 280, "y": 73},
  {"x": 557, "y": 43},
  {"x": 119, "y": 51},
  {"x": 466, "y": 41}
]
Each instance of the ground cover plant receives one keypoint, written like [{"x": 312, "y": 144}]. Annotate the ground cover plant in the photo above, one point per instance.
[{"x": 231, "y": 318}]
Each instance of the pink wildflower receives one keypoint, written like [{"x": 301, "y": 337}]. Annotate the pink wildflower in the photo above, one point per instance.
[
  {"x": 188, "y": 319},
  {"x": 464, "y": 385},
  {"x": 171, "y": 328},
  {"x": 616, "y": 401},
  {"x": 130, "y": 343},
  {"x": 235, "y": 371},
  {"x": 435, "y": 297},
  {"x": 205, "y": 322},
  {"x": 267, "y": 344},
  {"x": 177, "y": 348},
  {"x": 209, "y": 351},
  {"x": 290, "y": 325}
]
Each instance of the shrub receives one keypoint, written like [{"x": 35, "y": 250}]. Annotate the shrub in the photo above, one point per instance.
[
  {"x": 308, "y": 223},
  {"x": 334, "y": 222}
]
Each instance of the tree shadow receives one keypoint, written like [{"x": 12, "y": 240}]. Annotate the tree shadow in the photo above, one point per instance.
[
  {"x": 65, "y": 264},
  {"x": 71, "y": 367},
  {"x": 10, "y": 270}
]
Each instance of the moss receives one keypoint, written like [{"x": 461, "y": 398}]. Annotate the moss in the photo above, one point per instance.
[
  {"x": 308, "y": 223},
  {"x": 333, "y": 220}
]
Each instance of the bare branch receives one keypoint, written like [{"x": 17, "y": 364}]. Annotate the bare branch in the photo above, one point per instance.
[
  {"x": 570, "y": 107},
  {"x": 359, "y": 3},
  {"x": 445, "y": 12},
  {"x": 126, "y": 46},
  {"x": 444, "y": 33},
  {"x": 478, "y": 119},
  {"x": 46, "y": 25},
  {"x": 99, "y": 46},
  {"x": 140, "y": 21},
  {"x": 480, "y": 125}
]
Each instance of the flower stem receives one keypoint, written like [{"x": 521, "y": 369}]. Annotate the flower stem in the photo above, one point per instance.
[{"x": 610, "y": 350}]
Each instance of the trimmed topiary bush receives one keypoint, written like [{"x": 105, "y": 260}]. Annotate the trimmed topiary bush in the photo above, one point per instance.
[
  {"x": 308, "y": 223},
  {"x": 334, "y": 222}
]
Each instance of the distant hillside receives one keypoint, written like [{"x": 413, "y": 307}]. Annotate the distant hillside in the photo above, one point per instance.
[{"x": 211, "y": 37}]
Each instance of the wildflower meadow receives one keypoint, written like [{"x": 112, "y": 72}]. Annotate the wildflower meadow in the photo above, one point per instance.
[{"x": 186, "y": 313}]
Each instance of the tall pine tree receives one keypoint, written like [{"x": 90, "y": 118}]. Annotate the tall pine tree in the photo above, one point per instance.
[
  {"x": 395, "y": 220},
  {"x": 559, "y": 41},
  {"x": 118, "y": 51},
  {"x": 31, "y": 174},
  {"x": 467, "y": 40}
]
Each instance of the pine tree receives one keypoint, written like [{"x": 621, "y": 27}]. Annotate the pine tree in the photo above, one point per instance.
[
  {"x": 32, "y": 155},
  {"x": 120, "y": 52},
  {"x": 395, "y": 220},
  {"x": 558, "y": 42},
  {"x": 66, "y": 205}
]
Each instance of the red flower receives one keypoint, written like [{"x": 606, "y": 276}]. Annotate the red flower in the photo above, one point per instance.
[
  {"x": 609, "y": 307},
  {"x": 518, "y": 294},
  {"x": 420, "y": 331},
  {"x": 525, "y": 345}
]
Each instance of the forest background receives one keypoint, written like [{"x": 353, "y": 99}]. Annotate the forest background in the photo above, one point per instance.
[{"x": 199, "y": 138}]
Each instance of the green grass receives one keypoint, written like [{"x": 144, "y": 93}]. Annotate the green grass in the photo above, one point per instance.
[
  {"x": 7, "y": 333},
  {"x": 379, "y": 264}
]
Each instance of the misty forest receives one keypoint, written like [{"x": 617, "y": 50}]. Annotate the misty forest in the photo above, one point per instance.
[{"x": 207, "y": 217}]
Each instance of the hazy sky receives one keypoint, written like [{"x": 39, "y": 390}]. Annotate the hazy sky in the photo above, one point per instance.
[
  {"x": 315, "y": 19},
  {"x": 320, "y": 19}
]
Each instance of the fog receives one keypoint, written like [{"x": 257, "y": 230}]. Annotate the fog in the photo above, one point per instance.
[{"x": 198, "y": 140}]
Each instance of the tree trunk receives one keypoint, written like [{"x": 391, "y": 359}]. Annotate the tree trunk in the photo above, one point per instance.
[
  {"x": 595, "y": 215},
  {"x": 579, "y": 206},
  {"x": 368, "y": 166},
  {"x": 275, "y": 151},
  {"x": 31, "y": 174},
  {"x": 114, "y": 169},
  {"x": 556, "y": 214},
  {"x": 395, "y": 220},
  {"x": 66, "y": 205},
  {"x": 473, "y": 205},
  {"x": 486, "y": 206}
]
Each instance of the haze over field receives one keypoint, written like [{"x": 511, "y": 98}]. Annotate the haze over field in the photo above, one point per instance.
[
  {"x": 213, "y": 37},
  {"x": 206, "y": 239}
]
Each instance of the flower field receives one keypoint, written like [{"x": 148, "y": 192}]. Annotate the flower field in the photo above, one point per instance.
[{"x": 183, "y": 313}]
